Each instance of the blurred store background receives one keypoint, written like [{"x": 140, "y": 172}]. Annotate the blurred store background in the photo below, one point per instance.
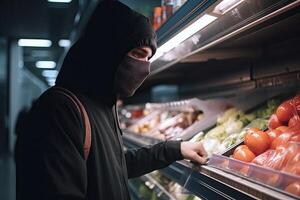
[{"x": 34, "y": 37}]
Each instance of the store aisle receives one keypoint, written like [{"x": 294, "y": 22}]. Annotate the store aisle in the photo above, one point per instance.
[{"x": 7, "y": 178}]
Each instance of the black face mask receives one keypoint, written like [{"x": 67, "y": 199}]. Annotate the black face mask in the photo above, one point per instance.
[{"x": 130, "y": 75}]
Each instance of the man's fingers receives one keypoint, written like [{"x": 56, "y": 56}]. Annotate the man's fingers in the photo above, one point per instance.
[
  {"x": 202, "y": 151},
  {"x": 199, "y": 159}
]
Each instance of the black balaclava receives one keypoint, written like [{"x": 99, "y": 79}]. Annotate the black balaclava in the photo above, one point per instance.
[
  {"x": 91, "y": 64},
  {"x": 130, "y": 75}
]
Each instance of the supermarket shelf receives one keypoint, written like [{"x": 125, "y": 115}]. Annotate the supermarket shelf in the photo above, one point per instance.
[
  {"x": 181, "y": 18},
  {"x": 240, "y": 185},
  {"x": 157, "y": 188},
  {"x": 252, "y": 16},
  {"x": 211, "y": 183},
  {"x": 153, "y": 185}
]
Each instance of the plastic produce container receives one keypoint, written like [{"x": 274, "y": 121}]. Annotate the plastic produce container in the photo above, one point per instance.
[{"x": 285, "y": 182}]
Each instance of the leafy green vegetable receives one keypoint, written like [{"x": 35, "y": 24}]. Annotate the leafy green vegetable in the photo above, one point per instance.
[
  {"x": 267, "y": 110},
  {"x": 226, "y": 115}
]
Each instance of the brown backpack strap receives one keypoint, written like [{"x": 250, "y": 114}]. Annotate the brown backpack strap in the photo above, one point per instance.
[{"x": 83, "y": 112}]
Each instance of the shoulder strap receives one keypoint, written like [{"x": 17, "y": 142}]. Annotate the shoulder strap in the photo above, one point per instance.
[{"x": 85, "y": 117}]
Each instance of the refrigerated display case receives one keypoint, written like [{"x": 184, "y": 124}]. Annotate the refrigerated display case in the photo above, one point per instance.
[
  {"x": 157, "y": 186},
  {"x": 246, "y": 52}
]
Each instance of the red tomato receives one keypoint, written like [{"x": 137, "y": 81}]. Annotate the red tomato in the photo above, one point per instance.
[
  {"x": 273, "y": 134},
  {"x": 258, "y": 142},
  {"x": 282, "y": 128},
  {"x": 294, "y": 129},
  {"x": 244, "y": 170},
  {"x": 273, "y": 180},
  {"x": 296, "y": 102},
  {"x": 294, "y": 121},
  {"x": 263, "y": 158},
  {"x": 274, "y": 122},
  {"x": 295, "y": 138},
  {"x": 278, "y": 159},
  {"x": 292, "y": 168},
  {"x": 281, "y": 140},
  {"x": 252, "y": 130},
  {"x": 243, "y": 153},
  {"x": 293, "y": 188},
  {"x": 285, "y": 111}
]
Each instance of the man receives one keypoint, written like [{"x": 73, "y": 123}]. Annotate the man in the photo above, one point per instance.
[{"x": 110, "y": 60}]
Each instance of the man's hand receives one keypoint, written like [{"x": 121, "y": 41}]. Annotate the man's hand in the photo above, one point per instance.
[{"x": 194, "y": 151}]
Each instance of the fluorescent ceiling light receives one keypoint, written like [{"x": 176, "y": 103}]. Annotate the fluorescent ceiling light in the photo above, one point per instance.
[
  {"x": 77, "y": 18},
  {"x": 51, "y": 82},
  {"x": 226, "y": 5},
  {"x": 34, "y": 43},
  {"x": 50, "y": 73},
  {"x": 64, "y": 43},
  {"x": 45, "y": 64},
  {"x": 187, "y": 32},
  {"x": 59, "y": 1},
  {"x": 51, "y": 79}
]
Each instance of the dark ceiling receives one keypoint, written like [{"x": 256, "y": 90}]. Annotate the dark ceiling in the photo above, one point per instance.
[
  {"x": 40, "y": 19},
  {"x": 37, "y": 18}
]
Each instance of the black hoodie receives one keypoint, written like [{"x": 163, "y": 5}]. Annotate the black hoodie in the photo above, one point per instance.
[{"x": 50, "y": 158}]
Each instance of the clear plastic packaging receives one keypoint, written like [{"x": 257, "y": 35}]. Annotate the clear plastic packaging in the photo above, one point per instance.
[
  {"x": 287, "y": 181},
  {"x": 184, "y": 119}
]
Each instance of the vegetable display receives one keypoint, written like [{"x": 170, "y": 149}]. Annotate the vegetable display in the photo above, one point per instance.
[
  {"x": 277, "y": 148},
  {"x": 232, "y": 126}
]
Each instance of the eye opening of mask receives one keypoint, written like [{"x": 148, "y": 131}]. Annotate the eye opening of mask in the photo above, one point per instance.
[{"x": 143, "y": 53}]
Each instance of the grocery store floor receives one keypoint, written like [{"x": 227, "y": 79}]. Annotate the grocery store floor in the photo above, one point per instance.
[{"x": 7, "y": 178}]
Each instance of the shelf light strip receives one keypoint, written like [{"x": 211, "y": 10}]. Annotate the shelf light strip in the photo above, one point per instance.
[
  {"x": 184, "y": 34},
  {"x": 60, "y": 1},
  {"x": 226, "y": 5}
]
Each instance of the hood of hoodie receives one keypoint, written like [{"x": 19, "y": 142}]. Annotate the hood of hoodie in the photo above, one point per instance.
[{"x": 91, "y": 63}]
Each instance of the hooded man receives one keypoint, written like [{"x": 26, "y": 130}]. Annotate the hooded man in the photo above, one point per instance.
[{"x": 110, "y": 60}]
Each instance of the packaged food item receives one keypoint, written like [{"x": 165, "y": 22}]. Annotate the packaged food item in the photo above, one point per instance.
[
  {"x": 164, "y": 17},
  {"x": 173, "y": 127},
  {"x": 157, "y": 18},
  {"x": 169, "y": 4},
  {"x": 166, "y": 121},
  {"x": 293, "y": 188}
]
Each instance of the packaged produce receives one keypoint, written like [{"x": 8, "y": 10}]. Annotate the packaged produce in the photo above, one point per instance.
[
  {"x": 152, "y": 121},
  {"x": 277, "y": 148},
  {"x": 277, "y": 168},
  {"x": 167, "y": 121},
  {"x": 157, "y": 18},
  {"x": 293, "y": 188},
  {"x": 172, "y": 127}
]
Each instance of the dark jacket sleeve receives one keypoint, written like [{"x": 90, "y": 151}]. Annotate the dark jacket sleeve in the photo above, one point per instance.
[
  {"x": 52, "y": 164},
  {"x": 146, "y": 159}
]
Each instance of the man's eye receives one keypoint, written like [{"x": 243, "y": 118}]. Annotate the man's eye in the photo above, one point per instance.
[{"x": 139, "y": 54}]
